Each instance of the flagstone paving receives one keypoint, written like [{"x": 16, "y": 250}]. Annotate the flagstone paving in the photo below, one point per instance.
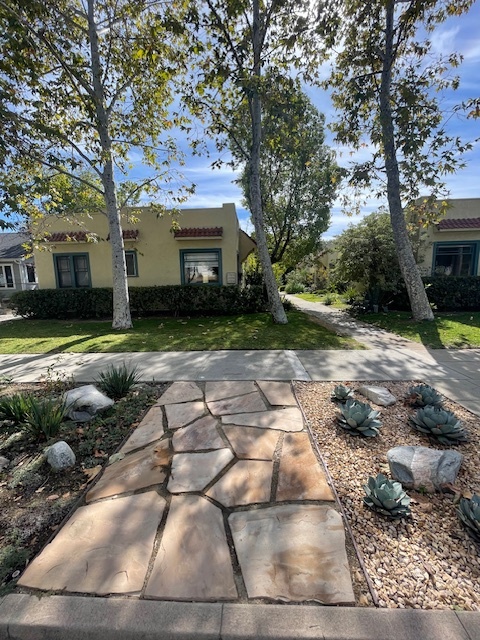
[{"x": 217, "y": 496}]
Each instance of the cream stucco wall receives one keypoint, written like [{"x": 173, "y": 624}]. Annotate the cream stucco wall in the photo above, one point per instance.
[
  {"x": 158, "y": 252},
  {"x": 459, "y": 208}
]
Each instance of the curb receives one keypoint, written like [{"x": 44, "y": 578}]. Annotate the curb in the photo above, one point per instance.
[{"x": 27, "y": 617}]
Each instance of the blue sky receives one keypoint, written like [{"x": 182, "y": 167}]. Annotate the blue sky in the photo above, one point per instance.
[{"x": 462, "y": 35}]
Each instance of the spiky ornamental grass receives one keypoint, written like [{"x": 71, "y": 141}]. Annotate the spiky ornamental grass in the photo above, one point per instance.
[
  {"x": 423, "y": 395},
  {"x": 341, "y": 393},
  {"x": 442, "y": 425},
  {"x": 116, "y": 382},
  {"x": 386, "y": 497},
  {"x": 468, "y": 511},
  {"x": 359, "y": 419}
]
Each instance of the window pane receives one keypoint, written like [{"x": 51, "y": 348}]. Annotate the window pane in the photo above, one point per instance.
[
  {"x": 131, "y": 263},
  {"x": 9, "y": 276},
  {"x": 3, "y": 282},
  {"x": 30, "y": 273},
  {"x": 201, "y": 268},
  {"x": 456, "y": 260},
  {"x": 81, "y": 271},
  {"x": 63, "y": 272}
]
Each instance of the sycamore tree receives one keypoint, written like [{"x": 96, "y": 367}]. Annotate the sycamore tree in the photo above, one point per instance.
[
  {"x": 100, "y": 90},
  {"x": 387, "y": 86},
  {"x": 236, "y": 42},
  {"x": 298, "y": 172}
]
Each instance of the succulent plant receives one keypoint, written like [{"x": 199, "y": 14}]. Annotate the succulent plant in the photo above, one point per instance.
[
  {"x": 439, "y": 424},
  {"x": 386, "y": 497},
  {"x": 469, "y": 513},
  {"x": 341, "y": 393},
  {"x": 424, "y": 395},
  {"x": 358, "y": 418}
]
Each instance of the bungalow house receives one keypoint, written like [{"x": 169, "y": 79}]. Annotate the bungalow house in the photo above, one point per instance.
[
  {"x": 452, "y": 246},
  {"x": 16, "y": 271},
  {"x": 207, "y": 247}
]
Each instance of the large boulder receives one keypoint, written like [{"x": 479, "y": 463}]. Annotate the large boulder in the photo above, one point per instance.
[
  {"x": 85, "y": 402},
  {"x": 378, "y": 395},
  {"x": 60, "y": 456},
  {"x": 4, "y": 462},
  {"x": 424, "y": 468}
]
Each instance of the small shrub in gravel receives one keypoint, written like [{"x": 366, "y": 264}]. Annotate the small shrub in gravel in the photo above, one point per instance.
[
  {"x": 341, "y": 393},
  {"x": 439, "y": 424},
  {"x": 358, "y": 418},
  {"x": 386, "y": 497},
  {"x": 469, "y": 513},
  {"x": 422, "y": 395}
]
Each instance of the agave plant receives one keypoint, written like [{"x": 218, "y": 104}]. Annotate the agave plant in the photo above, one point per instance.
[
  {"x": 358, "y": 418},
  {"x": 424, "y": 395},
  {"x": 469, "y": 513},
  {"x": 341, "y": 393},
  {"x": 386, "y": 497},
  {"x": 439, "y": 424}
]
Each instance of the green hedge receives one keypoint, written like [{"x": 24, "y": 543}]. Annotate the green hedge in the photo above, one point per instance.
[
  {"x": 446, "y": 293},
  {"x": 175, "y": 299}
]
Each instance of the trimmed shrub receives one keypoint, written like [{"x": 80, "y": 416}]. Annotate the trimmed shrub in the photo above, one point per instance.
[
  {"x": 175, "y": 299},
  {"x": 446, "y": 293}
]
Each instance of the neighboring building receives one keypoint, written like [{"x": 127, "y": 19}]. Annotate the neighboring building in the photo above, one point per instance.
[
  {"x": 16, "y": 271},
  {"x": 452, "y": 247},
  {"x": 207, "y": 248}
]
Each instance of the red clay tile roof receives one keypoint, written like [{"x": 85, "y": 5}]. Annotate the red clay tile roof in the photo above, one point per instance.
[
  {"x": 81, "y": 236},
  {"x": 199, "y": 232},
  {"x": 65, "y": 236},
  {"x": 459, "y": 223},
  {"x": 130, "y": 234}
]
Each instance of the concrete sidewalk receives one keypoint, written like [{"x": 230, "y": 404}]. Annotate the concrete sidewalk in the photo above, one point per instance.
[{"x": 454, "y": 373}]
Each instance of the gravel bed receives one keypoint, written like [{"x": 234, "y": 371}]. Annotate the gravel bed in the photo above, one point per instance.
[{"x": 425, "y": 561}]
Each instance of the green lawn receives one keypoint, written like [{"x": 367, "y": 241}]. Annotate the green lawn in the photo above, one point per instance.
[
  {"x": 448, "y": 330},
  {"x": 313, "y": 297},
  {"x": 256, "y": 331}
]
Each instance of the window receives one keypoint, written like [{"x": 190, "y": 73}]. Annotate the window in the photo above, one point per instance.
[
  {"x": 30, "y": 268},
  {"x": 132, "y": 265},
  {"x": 72, "y": 270},
  {"x": 201, "y": 266},
  {"x": 455, "y": 259},
  {"x": 6, "y": 277}
]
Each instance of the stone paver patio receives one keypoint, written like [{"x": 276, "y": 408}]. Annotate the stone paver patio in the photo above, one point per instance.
[{"x": 218, "y": 497}]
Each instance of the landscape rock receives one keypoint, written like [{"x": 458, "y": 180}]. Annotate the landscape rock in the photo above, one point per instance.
[
  {"x": 4, "y": 462},
  {"x": 424, "y": 468},
  {"x": 85, "y": 402},
  {"x": 60, "y": 456},
  {"x": 378, "y": 395}
]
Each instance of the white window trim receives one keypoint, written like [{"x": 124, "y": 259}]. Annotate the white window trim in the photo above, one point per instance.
[{"x": 2, "y": 269}]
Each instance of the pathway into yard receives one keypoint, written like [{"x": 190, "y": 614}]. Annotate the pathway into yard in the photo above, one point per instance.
[
  {"x": 340, "y": 322},
  {"x": 217, "y": 496}
]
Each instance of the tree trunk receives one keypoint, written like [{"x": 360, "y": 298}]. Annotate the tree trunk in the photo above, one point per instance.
[
  {"x": 416, "y": 291},
  {"x": 276, "y": 306},
  {"x": 121, "y": 307}
]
